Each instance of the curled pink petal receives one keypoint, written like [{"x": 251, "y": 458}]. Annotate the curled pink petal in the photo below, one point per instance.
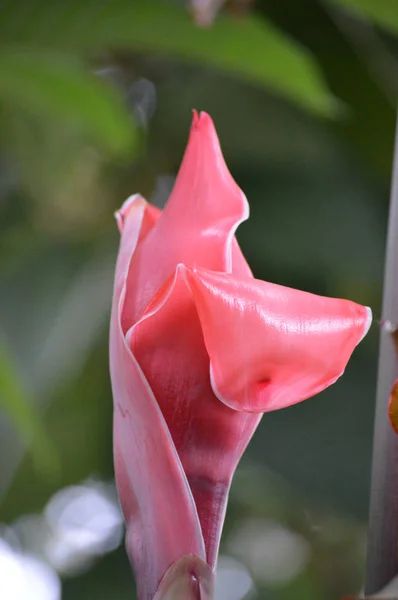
[
  {"x": 126, "y": 215},
  {"x": 266, "y": 346},
  {"x": 161, "y": 517},
  {"x": 271, "y": 346},
  {"x": 196, "y": 227},
  {"x": 209, "y": 437}
]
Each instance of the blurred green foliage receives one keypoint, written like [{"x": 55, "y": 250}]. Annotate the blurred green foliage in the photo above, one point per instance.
[
  {"x": 18, "y": 405},
  {"x": 383, "y": 12},
  {"x": 95, "y": 104},
  {"x": 159, "y": 26}
]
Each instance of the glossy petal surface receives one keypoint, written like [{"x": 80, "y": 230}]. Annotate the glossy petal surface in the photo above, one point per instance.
[
  {"x": 196, "y": 227},
  {"x": 271, "y": 346},
  {"x": 161, "y": 517},
  {"x": 209, "y": 437}
]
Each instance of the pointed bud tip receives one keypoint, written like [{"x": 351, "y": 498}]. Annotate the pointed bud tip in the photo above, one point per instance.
[
  {"x": 203, "y": 133},
  {"x": 195, "y": 117},
  {"x": 202, "y": 121}
]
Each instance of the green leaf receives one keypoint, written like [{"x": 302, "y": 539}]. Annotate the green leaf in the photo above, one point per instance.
[
  {"x": 249, "y": 48},
  {"x": 48, "y": 85},
  {"x": 19, "y": 407},
  {"x": 382, "y": 12}
]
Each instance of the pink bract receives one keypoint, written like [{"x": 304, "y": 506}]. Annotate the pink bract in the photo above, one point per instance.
[{"x": 199, "y": 349}]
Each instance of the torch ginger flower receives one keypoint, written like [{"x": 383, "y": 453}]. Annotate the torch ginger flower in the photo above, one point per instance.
[{"x": 199, "y": 349}]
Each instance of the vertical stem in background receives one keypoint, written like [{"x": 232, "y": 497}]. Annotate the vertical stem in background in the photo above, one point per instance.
[{"x": 382, "y": 563}]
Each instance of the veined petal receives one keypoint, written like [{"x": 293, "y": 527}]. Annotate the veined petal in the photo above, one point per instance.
[
  {"x": 209, "y": 437},
  {"x": 161, "y": 517},
  {"x": 197, "y": 225},
  {"x": 271, "y": 346}
]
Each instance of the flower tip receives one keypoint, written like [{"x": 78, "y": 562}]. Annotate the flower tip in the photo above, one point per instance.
[
  {"x": 121, "y": 214},
  {"x": 367, "y": 323},
  {"x": 195, "y": 117},
  {"x": 203, "y": 131},
  {"x": 206, "y": 121},
  {"x": 202, "y": 121}
]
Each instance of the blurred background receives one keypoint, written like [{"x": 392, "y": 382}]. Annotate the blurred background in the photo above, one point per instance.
[{"x": 95, "y": 104}]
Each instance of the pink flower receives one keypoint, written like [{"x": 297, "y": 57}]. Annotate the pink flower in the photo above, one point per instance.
[{"x": 199, "y": 350}]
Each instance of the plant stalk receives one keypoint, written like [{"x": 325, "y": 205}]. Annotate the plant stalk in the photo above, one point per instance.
[{"x": 382, "y": 559}]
